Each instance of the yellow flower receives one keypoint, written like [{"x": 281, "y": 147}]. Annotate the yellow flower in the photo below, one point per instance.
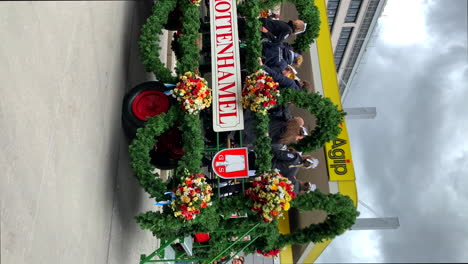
[
  {"x": 273, "y": 187},
  {"x": 177, "y": 213},
  {"x": 195, "y": 199},
  {"x": 287, "y": 206},
  {"x": 185, "y": 199}
]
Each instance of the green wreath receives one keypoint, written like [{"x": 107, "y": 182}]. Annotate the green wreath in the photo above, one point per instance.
[
  {"x": 329, "y": 117},
  {"x": 340, "y": 209},
  {"x": 149, "y": 39},
  {"x": 308, "y": 12}
]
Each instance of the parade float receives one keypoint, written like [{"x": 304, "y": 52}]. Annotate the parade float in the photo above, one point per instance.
[{"x": 180, "y": 120}]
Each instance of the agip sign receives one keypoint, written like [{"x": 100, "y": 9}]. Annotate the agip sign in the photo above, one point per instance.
[
  {"x": 225, "y": 63},
  {"x": 339, "y": 160}
]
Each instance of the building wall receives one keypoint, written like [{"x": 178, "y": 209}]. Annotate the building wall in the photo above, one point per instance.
[{"x": 349, "y": 50}]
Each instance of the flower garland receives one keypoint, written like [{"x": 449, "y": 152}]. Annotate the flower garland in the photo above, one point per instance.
[
  {"x": 269, "y": 254},
  {"x": 193, "y": 92},
  {"x": 260, "y": 92},
  {"x": 192, "y": 195},
  {"x": 271, "y": 194},
  {"x": 329, "y": 118}
]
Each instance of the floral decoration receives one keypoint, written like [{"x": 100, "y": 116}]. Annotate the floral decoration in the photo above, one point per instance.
[
  {"x": 193, "y": 194},
  {"x": 260, "y": 92},
  {"x": 269, "y": 254},
  {"x": 193, "y": 92},
  {"x": 271, "y": 194},
  {"x": 195, "y": 2}
]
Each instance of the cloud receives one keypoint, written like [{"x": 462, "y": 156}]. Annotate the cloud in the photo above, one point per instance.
[{"x": 412, "y": 160}]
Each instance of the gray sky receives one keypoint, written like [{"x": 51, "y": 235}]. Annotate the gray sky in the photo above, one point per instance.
[{"x": 412, "y": 160}]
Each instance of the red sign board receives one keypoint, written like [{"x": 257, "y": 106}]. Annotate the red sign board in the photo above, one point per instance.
[{"x": 231, "y": 163}]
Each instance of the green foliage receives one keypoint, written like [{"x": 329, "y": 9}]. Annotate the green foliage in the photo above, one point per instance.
[
  {"x": 250, "y": 10},
  {"x": 165, "y": 226},
  {"x": 141, "y": 146},
  {"x": 149, "y": 41},
  {"x": 188, "y": 39},
  {"x": 262, "y": 143},
  {"x": 341, "y": 216},
  {"x": 329, "y": 117},
  {"x": 193, "y": 145},
  {"x": 310, "y": 14},
  {"x": 268, "y": 4}
]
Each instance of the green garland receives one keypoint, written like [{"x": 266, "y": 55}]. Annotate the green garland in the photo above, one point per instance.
[
  {"x": 188, "y": 39},
  {"x": 251, "y": 10},
  {"x": 192, "y": 144},
  {"x": 149, "y": 41},
  {"x": 310, "y": 14},
  {"x": 262, "y": 143},
  {"x": 141, "y": 146},
  {"x": 329, "y": 117},
  {"x": 341, "y": 216}
]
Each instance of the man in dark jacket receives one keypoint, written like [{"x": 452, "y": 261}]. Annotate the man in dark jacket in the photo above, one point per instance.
[
  {"x": 277, "y": 30},
  {"x": 277, "y": 56},
  {"x": 288, "y": 163}
]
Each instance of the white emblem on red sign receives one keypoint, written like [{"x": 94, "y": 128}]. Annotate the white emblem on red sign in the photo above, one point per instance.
[{"x": 231, "y": 163}]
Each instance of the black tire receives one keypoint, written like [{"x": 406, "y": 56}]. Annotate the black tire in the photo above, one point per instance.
[
  {"x": 130, "y": 122},
  {"x": 127, "y": 114}
]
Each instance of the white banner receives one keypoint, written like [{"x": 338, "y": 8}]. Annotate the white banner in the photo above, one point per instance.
[{"x": 225, "y": 65}]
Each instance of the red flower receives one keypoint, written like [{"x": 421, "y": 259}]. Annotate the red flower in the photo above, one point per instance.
[
  {"x": 272, "y": 102},
  {"x": 202, "y": 237},
  {"x": 203, "y": 204},
  {"x": 265, "y": 104}
]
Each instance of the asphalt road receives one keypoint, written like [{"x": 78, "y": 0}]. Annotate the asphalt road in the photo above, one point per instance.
[{"x": 67, "y": 193}]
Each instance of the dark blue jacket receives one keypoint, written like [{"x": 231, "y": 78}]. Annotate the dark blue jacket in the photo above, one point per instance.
[
  {"x": 277, "y": 55},
  {"x": 277, "y": 30},
  {"x": 283, "y": 81},
  {"x": 281, "y": 161}
]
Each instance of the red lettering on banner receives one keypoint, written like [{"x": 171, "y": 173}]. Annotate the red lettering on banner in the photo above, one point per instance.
[
  {"x": 218, "y": 4},
  {"x": 226, "y": 82},
  {"x": 224, "y": 75}
]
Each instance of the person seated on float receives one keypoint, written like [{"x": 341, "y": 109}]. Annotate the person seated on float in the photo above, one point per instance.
[
  {"x": 284, "y": 129},
  {"x": 283, "y": 80},
  {"x": 285, "y": 132},
  {"x": 277, "y": 56},
  {"x": 277, "y": 31},
  {"x": 288, "y": 162}
]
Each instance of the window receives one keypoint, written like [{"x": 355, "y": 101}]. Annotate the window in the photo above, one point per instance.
[
  {"x": 353, "y": 11},
  {"x": 332, "y": 10},
  {"x": 341, "y": 45}
]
